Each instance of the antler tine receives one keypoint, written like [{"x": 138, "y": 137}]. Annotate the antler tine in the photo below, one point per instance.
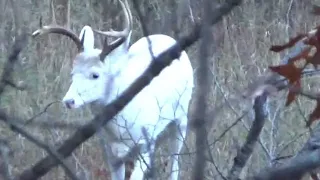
[
  {"x": 59, "y": 30},
  {"x": 107, "y": 48},
  {"x": 128, "y": 22}
]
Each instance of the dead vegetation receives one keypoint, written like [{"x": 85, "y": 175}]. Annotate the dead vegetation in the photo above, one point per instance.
[{"x": 238, "y": 54}]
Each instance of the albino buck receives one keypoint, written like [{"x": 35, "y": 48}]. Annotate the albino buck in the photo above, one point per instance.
[{"x": 99, "y": 76}]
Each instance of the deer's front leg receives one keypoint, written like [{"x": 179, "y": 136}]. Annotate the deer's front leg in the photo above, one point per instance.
[
  {"x": 143, "y": 166},
  {"x": 116, "y": 165},
  {"x": 117, "y": 172}
]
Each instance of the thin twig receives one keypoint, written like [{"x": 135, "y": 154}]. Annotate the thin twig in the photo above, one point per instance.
[
  {"x": 229, "y": 128},
  {"x": 273, "y": 132},
  {"x": 290, "y": 142},
  {"x": 282, "y": 157},
  {"x": 41, "y": 112},
  {"x": 5, "y": 152},
  {"x": 303, "y": 116},
  {"x": 14, "y": 85},
  {"x": 211, "y": 160},
  {"x": 150, "y": 143},
  {"x": 144, "y": 27}
]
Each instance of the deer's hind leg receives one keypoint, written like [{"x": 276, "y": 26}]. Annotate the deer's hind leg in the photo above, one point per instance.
[
  {"x": 176, "y": 141},
  {"x": 116, "y": 167},
  {"x": 143, "y": 165}
]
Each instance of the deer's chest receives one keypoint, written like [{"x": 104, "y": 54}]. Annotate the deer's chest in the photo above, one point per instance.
[{"x": 122, "y": 131}]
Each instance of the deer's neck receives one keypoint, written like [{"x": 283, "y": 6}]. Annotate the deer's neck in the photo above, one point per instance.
[
  {"x": 118, "y": 79},
  {"x": 128, "y": 66}
]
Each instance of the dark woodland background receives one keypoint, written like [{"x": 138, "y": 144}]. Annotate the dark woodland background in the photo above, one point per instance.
[{"x": 238, "y": 55}]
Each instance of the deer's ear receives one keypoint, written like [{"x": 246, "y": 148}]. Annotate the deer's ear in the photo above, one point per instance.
[
  {"x": 124, "y": 47},
  {"x": 87, "y": 38}
]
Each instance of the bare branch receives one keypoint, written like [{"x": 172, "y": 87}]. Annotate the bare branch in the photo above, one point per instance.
[
  {"x": 293, "y": 170},
  {"x": 211, "y": 159},
  {"x": 141, "y": 17},
  {"x": 42, "y": 112},
  {"x": 19, "y": 86},
  {"x": 305, "y": 161},
  {"x": 308, "y": 158},
  {"x": 282, "y": 157},
  {"x": 246, "y": 150},
  {"x": 150, "y": 148},
  {"x": 49, "y": 124},
  {"x": 202, "y": 95},
  {"x": 40, "y": 144},
  {"x": 144, "y": 27},
  {"x": 294, "y": 139},
  {"x": 229, "y": 128},
  {"x": 20, "y": 43},
  {"x": 4, "y": 165}
]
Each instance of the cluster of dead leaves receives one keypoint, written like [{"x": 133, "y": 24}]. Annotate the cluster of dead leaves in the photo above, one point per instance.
[{"x": 293, "y": 70}]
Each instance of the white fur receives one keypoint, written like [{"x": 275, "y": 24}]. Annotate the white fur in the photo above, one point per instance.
[{"x": 164, "y": 100}]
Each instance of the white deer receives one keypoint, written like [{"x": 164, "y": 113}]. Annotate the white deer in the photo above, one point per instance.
[{"x": 99, "y": 76}]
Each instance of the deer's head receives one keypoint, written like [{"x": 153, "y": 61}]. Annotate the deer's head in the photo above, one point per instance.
[{"x": 93, "y": 68}]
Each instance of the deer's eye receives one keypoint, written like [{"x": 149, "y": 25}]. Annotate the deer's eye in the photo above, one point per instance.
[{"x": 94, "y": 75}]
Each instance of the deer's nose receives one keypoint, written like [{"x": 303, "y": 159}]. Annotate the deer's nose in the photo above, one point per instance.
[{"x": 69, "y": 103}]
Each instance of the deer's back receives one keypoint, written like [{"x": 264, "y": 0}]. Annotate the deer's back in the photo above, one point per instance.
[{"x": 165, "y": 99}]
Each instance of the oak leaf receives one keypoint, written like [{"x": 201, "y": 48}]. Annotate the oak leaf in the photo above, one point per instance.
[
  {"x": 292, "y": 42},
  {"x": 293, "y": 74},
  {"x": 289, "y": 71}
]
